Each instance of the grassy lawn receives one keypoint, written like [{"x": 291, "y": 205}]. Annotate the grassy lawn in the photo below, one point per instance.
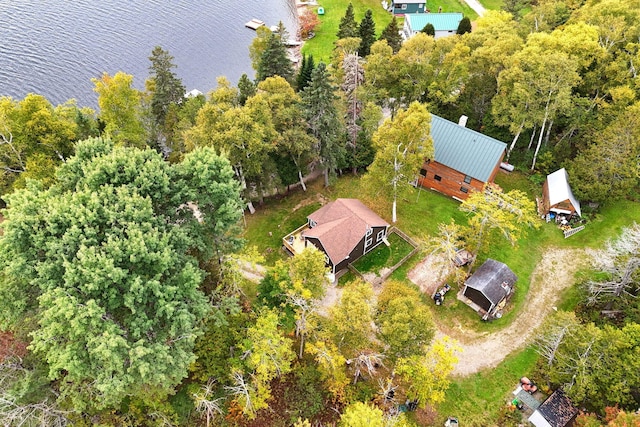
[
  {"x": 492, "y": 4},
  {"x": 384, "y": 256},
  {"x": 322, "y": 44},
  {"x": 477, "y": 400},
  {"x": 277, "y": 218}
]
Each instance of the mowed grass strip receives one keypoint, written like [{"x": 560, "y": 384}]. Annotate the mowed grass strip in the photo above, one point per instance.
[{"x": 384, "y": 256}]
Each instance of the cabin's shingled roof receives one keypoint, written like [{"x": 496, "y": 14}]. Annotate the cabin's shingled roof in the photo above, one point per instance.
[
  {"x": 340, "y": 225},
  {"x": 558, "y": 409}
]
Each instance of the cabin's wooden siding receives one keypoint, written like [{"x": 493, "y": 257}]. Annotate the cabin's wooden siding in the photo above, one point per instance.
[{"x": 451, "y": 181}]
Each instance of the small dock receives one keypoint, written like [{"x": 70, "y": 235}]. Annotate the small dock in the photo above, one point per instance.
[{"x": 254, "y": 24}]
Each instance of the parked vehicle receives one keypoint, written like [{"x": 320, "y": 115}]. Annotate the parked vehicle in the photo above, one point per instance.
[{"x": 439, "y": 295}]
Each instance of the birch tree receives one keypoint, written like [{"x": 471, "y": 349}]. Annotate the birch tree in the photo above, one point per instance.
[
  {"x": 292, "y": 142},
  {"x": 120, "y": 109},
  {"x": 35, "y": 137},
  {"x": 402, "y": 144},
  {"x": 351, "y": 319},
  {"x": 619, "y": 262},
  {"x": 509, "y": 213},
  {"x": 404, "y": 321},
  {"x": 426, "y": 377}
]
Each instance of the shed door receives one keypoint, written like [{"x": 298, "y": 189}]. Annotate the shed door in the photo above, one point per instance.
[{"x": 478, "y": 298}]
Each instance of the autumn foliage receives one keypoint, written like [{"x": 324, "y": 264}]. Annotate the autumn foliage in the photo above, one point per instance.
[{"x": 308, "y": 22}]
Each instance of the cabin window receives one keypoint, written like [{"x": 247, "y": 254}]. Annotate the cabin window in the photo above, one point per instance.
[
  {"x": 423, "y": 172},
  {"x": 312, "y": 223},
  {"x": 464, "y": 189},
  {"x": 437, "y": 178},
  {"x": 421, "y": 5},
  {"x": 326, "y": 259},
  {"x": 369, "y": 231},
  {"x": 380, "y": 236},
  {"x": 368, "y": 242},
  {"x": 404, "y": 6},
  {"x": 467, "y": 179}
]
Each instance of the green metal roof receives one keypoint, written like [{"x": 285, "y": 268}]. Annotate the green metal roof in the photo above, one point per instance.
[
  {"x": 464, "y": 149},
  {"x": 440, "y": 21}
]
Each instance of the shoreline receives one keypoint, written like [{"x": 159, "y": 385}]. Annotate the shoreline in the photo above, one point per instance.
[{"x": 300, "y": 7}]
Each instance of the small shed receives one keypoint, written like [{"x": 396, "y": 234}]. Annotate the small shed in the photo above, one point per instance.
[
  {"x": 490, "y": 287},
  {"x": 557, "y": 196},
  {"x": 556, "y": 411}
]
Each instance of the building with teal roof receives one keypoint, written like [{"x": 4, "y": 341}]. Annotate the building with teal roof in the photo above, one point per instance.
[
  {"x": 445, "y": 24},
  {"x": 464, "y": 160}
]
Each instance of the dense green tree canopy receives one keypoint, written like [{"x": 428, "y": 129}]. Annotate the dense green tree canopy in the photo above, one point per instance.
[
  {"x": 320, "y": 111},
  {"x": 102, "y": 261}
]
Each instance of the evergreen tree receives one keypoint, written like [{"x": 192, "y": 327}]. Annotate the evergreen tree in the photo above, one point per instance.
[
  {"x": 322, "y": 117},
  {"x": 306, "y": 69},
  {"x": 464, "y": 26},
  {"x": 429, "y": 30},
  {"x": 167, "y": 88},
  {"x": 274, "y": 60},
  {"x": 246, "y": 89},
  {"x": 348, "y": 26},
  {"x": 367, "y": 33},
  {"x": 392, "y": 35},
  {"x": 112, "y": 271}
]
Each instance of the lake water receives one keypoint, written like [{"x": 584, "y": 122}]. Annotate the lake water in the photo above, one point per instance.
[{"x": 55, "y": 47}]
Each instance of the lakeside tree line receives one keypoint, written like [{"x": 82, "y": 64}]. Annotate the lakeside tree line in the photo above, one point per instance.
[{"x": 117, "y": 245}]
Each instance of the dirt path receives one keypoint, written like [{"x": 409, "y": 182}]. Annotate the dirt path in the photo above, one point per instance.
[
  {"x": 476, "y": 6},
  {"x": 552, "y": 275}
]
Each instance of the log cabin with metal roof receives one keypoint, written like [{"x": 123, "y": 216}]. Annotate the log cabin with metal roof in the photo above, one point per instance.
[{"x": 464, "y": 160}]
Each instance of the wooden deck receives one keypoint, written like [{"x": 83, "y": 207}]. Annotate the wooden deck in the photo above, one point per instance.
[{"x": 294, "y": 242}]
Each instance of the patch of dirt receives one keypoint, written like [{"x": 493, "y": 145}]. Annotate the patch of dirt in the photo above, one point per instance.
[
  {"x": 553, "y": 274},
  {"x": 10, "y": 346},
  {"x": 331, "y": 298},
  {"x": 430, "y": 273},
  {"x": 320, "y": 198},
  {"x": 252, "y": 271}
]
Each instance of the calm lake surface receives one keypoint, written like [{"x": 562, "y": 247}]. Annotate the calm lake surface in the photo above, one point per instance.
[{"x": 55, "y": 47}]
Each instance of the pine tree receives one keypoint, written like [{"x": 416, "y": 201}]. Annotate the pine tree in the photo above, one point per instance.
[
  {"x": 392, "y": 35},
  {"x": 320, "y": 110},
  {"x": 246, "y": 89},
  {"x": 348, "y": 26},
  {"x": 429, "y": 30},
  {"x": 367, "y": 33},
  {"x": 274, "y": 60},
  {"x": 306, "y": 69},
  {"x": 464, "y": 26},
  {"x": 167, "y": 87}
]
